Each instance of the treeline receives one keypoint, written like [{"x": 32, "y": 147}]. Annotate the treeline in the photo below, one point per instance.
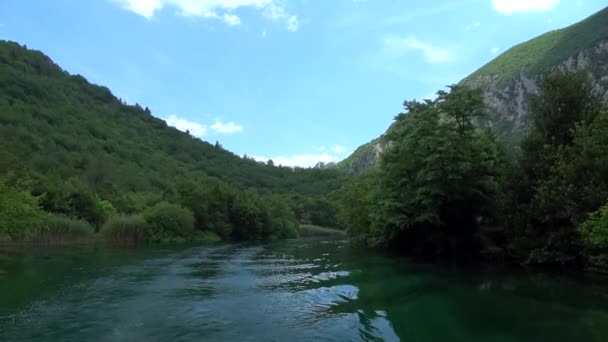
[
  {"x": 70, "y": 151},
  {"x": 447, "y": 188},
  {"x": 40, "y": 210}
]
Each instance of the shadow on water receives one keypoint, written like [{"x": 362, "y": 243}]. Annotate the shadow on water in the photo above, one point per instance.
[{"x": 308, "y": 289}]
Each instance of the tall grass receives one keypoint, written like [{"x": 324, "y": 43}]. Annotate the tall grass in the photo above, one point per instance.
[
  {"x": 59, "y": 229},
  {"x": 124, "y": 230},
  {"x": 312, "y": 230}
]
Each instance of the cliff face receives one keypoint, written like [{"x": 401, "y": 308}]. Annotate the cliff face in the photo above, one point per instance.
[
  {"x": 509, "y": 81},
  {"x": 509, "y": 101},
  {"x": 367, "y": 156}
]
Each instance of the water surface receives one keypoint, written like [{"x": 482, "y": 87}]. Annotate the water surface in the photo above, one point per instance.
[{"x": 299, "y": 290}]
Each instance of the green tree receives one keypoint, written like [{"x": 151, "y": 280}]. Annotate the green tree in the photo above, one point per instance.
[
  {"x": 168, "y": 222},
  {"x": 594, "y": 233},
  {"x": 561, "y": 173},
  {"x": 20, "y": 214},
  {"x": 247, "y": 218},
  {"x": 355, "y": 201},
  {"x": 439, "y": 178}
]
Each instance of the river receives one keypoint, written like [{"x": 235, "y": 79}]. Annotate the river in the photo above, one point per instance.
[{"x": 299, "y": 290}]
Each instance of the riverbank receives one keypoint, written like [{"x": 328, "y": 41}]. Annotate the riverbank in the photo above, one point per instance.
[{"x": 312, "y": 230}]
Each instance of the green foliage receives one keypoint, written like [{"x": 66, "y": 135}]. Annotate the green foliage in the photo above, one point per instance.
[
  {"x": 168, "y": 222},
  {"x": 594, "y": 230},
  {"x": 206, "y": 237},
  {"x": 124, "y": 229},
  {"x": 283, "y": 221},
  {"x": 62, "y": 125},
  {"x": 439, "y": 176},
  {"x": 247, "y": 217},
  {"x": 95, "y": 156},
  {"x": 312, "y": 230},
  {"x": 561, "y": 175},
  {"x": 566, "y": 98},
  {"x": 594, "y": 234},
  {"x": 443, "y": 177},
  {"x": 20, "y": 212},
  {"x": 354, "y": 208},
  {"x": 316, "y": 210},
  {"x": 59, "y": 228}
]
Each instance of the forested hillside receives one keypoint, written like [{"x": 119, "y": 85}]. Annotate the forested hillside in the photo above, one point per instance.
[{"x": 84, "y": 154}]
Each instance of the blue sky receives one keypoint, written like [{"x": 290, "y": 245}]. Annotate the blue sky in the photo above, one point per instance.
[{"x": 298, "y": 81}]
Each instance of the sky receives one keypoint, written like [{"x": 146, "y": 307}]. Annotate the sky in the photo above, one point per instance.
[{"x": 295, "y": 81}]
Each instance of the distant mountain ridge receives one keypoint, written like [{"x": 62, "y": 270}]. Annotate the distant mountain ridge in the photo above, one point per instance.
[{"x": 508, "y": 81}]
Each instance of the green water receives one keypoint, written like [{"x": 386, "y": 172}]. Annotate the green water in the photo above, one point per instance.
[{"x": 301, "y": 290}]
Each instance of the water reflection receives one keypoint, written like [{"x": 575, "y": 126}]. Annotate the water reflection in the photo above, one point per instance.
[{"x": 310, "y": 290}]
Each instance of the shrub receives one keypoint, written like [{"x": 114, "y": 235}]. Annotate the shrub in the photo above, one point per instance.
[
  {"x": 20, "y": 212},
  {"x": 59, "y": 228},
  {"x": 594, "y": 234},
  {"x": 168, "y": 222},
  {"x": 124, "y": 229},
  {"x": 206, "y": 237}
]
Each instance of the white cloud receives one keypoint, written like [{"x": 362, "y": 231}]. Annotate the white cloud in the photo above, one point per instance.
[
  {"x": 275, "y": 12},
  {"x": 293, "y": 23},
  {"x": 227, "y": 128},
  {"x": 495, "y": 50},
  {"x": 301, "y": 160},
  {"x": 196, "y": 129},
  {"x": 218, "y": 9},
  {"x": 432, "y": 54},
  {"x": 199, "y": 130},
  {"x": 338, "y": 149},
  {"x": 145, "y": 8},
  {"x": 232, "y": 20},
  {"x": 508, "y": 7},
  {"x": 323, "y": 154}
]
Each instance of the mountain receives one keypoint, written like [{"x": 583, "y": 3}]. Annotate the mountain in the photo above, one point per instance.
[
  {"x": 74, "y": 137},
  {"x": 512, "y": 78},
  {"x": 50, "y": 119}
]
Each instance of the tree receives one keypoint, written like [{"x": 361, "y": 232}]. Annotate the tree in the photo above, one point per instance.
[
  {"x": 594, "y": 233},
  {"x": 439, "y": 177},
  {"x": 561, "y": 173},
  {"x": 20, "y": 213},
  {"x": 565, "y": 99},
  {"x": 355, "y": 201},
  {"x": 168, "y": 222}
]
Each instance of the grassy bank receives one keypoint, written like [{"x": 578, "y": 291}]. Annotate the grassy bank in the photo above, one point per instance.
[{"x": 311, "y": 230}]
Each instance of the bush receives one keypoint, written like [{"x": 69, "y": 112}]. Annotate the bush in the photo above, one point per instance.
[
  {"x": 594, "y": 234},
  {"x": 20, "y": 212},
  {"x": 168, "y": 222},
  {"x": 206, "y": 237},
  {"x": 59, "y": 228},
  {"x": 124, "y": 229}
]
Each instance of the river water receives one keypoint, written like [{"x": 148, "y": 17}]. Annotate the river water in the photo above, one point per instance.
[{"x": 298, "y": 290}]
